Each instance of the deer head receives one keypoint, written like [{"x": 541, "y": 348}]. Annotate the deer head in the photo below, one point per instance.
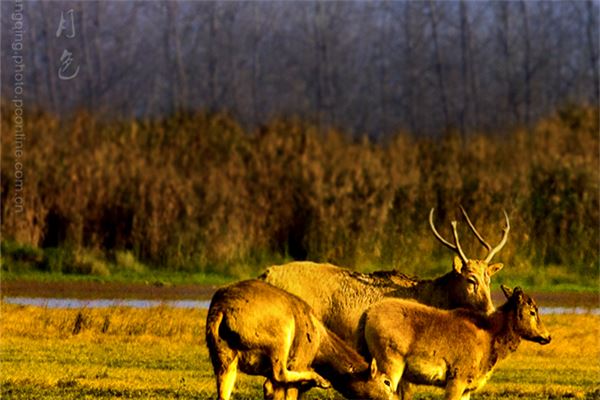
[
  {"x": 471, "y": 277},
  {"x": 526, "y": 322}
]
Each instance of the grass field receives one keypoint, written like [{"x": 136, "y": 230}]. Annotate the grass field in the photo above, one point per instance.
[{"x": 159, "y": 353}]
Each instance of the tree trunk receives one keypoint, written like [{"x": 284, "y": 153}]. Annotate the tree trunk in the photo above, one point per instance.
[
  {"x": 52, "y": 66},
  {"x": 592, "y": 33},
  {"x": 438, "y": 63},
  {"x": 255, "y": 65},
  {"x": 409, "y": 67},
  {"x": 511, "y": 97},
  {"x": 90, "y": 72},
  {"x": 526, "y": 62},
  {"x": 464, "y": 66},
  {"x": 212, "y": 57},
  {"x": 180, "y": 96}
]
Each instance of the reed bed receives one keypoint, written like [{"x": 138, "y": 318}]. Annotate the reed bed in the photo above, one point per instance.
[{"x": 195, "y": 192}]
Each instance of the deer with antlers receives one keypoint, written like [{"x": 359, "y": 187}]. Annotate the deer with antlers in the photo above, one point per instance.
[{"x": 339, "y": 296}]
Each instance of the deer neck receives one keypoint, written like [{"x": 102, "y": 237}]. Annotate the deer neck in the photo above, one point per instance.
[
  {"x": 433, "y": 292},
  {"x": 504, "y": 339},
  {"x": 338, "y": 362}
]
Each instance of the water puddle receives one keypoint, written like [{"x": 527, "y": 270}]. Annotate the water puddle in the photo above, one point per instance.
[
  {"x": 569, "y": 310},
  {"x": 104, "y": 303},
  {"x": 199, "y": 304}
]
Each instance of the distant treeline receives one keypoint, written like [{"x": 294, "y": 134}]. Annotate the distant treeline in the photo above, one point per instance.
[
  {"x": 196, "y": 192},
  {"x": 361, "y": 66}
]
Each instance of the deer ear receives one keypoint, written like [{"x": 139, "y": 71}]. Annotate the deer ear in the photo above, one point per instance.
[
  {"x": 458, "y": 265},
  {"x": 373, "y": 368},
  {"x": 492, "y": 269},
  {"x": 507, "y": 291}
]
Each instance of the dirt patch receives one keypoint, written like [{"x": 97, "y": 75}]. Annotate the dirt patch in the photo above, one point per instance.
[{"x": 106, "y": 290}]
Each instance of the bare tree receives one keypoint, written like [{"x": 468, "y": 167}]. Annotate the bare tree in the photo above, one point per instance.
[
  {"x": 465, "y": 66},
  {"x": 438, "y": 61},
  {"x": 173, "y": 41},
  {"x": 504, "y": 39},
  {"x": 212, "y": 56},
  {"x": 51, "y": 63},
  {"x": 527, "y": 64},
  {"x": 591, "y": 25},
  {"x": 255, "y": 63},
  {"x": 367, "y": 67}
]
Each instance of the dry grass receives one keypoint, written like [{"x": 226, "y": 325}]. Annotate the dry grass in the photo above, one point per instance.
[
  {"x": 196, "y": 192},
  {"x": 160, "y": 353}
]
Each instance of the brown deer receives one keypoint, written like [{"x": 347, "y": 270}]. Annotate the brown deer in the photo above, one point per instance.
[
  {"x": 259, "y": 329},
  {"x": 339, "y": 296},
  {"x": 456, "y": 350}
]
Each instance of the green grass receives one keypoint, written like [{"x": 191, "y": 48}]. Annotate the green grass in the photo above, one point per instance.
[
  {"x": 162, "y": 277},
  {"x": 160, "y": 353},
  {"x": 153, "y": 276},
  {"x": 24, "y": 262},
  {"x": 149, "y": 277},
  {"x": 175, "y": 278}
]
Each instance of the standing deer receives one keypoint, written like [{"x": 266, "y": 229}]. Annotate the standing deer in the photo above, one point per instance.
[
  {"x": 339, "y": 296},
  {"x": 259, "y": 329},
  {"x": 456, "y": 350}
]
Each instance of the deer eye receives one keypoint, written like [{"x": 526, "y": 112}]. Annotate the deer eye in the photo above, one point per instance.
[
  {"x": 387, "y": 383},
  {"x": 532, "y": 313}
]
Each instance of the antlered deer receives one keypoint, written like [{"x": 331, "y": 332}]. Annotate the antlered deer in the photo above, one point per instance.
[
  {"x": 456, "y": 349},
  {"x": 339, "y": 296},
  {"x": 259, "y": 329}
]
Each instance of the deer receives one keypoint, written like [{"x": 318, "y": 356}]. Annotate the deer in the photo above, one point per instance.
[
  {"x": 258, "y": 329},
  {"x": 339, "y": 296},
  {"x": 453, "y": 349}
]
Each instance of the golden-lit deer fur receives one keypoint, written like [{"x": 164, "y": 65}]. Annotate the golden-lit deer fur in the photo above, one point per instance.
[
  {"x": 456, "y": 350},
  {"x": 339, "y": 296},
  {"x": 259, "y": 329}
]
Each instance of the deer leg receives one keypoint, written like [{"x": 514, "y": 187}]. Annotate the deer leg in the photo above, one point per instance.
[
  {"x": 406, "y": 390},
  {"x": 274, "y": 391},
  {"x": 281, "y": 373},
  {"x": 292, "y": 393},
  {"x": 226, "y": 378},
  {"x": 455, "y": 389},
  {"x": 285, "y": 376},
  {"x": 302, "y": 389}
]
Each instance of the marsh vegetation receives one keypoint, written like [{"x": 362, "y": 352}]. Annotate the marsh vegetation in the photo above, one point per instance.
[{"x": 197, "y": 193}]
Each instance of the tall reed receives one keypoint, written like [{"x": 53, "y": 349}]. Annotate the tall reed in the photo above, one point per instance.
[{"x": 196, "y": 192}]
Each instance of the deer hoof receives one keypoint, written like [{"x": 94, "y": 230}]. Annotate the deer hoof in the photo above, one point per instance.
[{"x": 322, "y": 383}]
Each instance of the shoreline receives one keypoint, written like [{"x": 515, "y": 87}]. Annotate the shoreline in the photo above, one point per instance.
[{"x": 159, "y": 291}]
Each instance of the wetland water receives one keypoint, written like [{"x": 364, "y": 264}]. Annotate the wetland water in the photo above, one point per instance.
[
  {"x": 147, "y": 295},
  {"x": 201, "y": 304},
  {"x": 103, "y": 303}
]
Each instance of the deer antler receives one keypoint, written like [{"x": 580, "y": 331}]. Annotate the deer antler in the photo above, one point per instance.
[
  {"x": 483, "y": 242},
  {"x": 500, "y": 245},
  {"x": 454, "y": 247},
  {"x": 458, "y": 248},
  {"x": 491, "y": 251}
]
